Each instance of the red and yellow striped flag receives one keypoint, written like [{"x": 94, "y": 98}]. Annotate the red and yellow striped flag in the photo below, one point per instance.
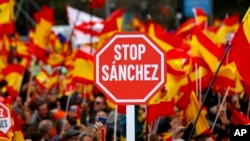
[
  {"x": 83, "y": 71},
  {"x": 202, "y": 125},
  {"x": 7, "y": 21},
  {"x": 200, "y": 15},
  {"x": 155, "y": 104},
  {"x": 202, "y": 46},
  {"x": 14, "y": 76},
  {"x": 240, "y": 48}
]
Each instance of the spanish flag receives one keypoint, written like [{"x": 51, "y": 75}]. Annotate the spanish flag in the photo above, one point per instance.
[
  {"x": 165, "y": 40},
  {"x": 229, "y": 25},
  {"x": 202, "y": 46},
  {"x": 240, "y": 48},
  {"x": 16, "y": 127},
  {"x": 83, "y": 71},
  {"x": 238, "y": 118},
  {"x": 7, "y": 23},
  {"x": 42, "y": 79},
  {"x": 185, "y": 28},
  {"x": 200, "y": 15},
  {"x": 111, "y": 25},
  {"x": 54, "y": 59},
  {"x": 191, "y": 112},
  {"x": 161, "y": 99},
  {"x": 13, "y": 75}
]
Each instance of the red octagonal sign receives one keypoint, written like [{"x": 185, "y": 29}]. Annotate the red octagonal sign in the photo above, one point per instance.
[
  {"x": 5, "y": 118},
  {"x": 130, "y": 68}
]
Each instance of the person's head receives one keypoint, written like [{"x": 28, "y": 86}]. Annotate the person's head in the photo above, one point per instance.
[
  {"x": 62, "y": 124},
  {"x": 87, "y": 136},
  {"x": 45, "y": 128},
  {"x": 33, "y": 136},
  {"x": 100, "y": 102},
  {"x": 42, "y": 109},
  {"x": 71, "y": 135},
  {"x": 234, "y": 101},
  {"x": 179, "y": 132},
  {"x": 110, "y": 135},
  {"x": 204, "y": 137},
  {"x": 19, "y": 102},
  {"x": 73, "y": 111},
  {"x": 27, "y": 115},
  {"x": 101, "y": 113}
]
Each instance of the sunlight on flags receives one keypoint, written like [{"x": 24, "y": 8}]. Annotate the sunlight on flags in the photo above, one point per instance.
[{"x": 13, "y": 75}]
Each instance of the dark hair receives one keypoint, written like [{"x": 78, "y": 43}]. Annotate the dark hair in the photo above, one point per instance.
[
  {"x": 202, "y": 137},
  {"x": 110, "y": 133},
  {"x": 40, "y": 103},
  {"x": 59, "y": 125},
  {"x": 44, "y": 125},
  {"x": 88, "y": 134},
  {"x": 34, "y": 136}
]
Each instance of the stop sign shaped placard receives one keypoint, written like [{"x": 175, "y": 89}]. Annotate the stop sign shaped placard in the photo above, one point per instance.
[
  {"x": 5, "y": 118},
  {"x": 130, "y": 68}
]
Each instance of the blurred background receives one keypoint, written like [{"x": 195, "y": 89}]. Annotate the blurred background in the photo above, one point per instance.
[{"x": 168, "y": 13}]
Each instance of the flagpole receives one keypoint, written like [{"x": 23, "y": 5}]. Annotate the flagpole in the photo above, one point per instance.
[
  {"x": 67, "y": 106},
  {"x": 26, "y": 15},
  {"x": 30, "y": 79},
  {"x": 209, "y": 87},
  {"x": 196, "y": 80},
  {"x": 19, "y": 6},
  {"x": 200, "y": 84},
  {"x": 248, "y": 108},
  {"x": 221, "y": 105},
  {"x": 74, "y": 23},
  {"x": 90, "y": 29},
  {"x": 115, "y": 122}
]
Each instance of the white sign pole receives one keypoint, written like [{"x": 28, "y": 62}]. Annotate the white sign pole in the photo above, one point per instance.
[{"x": 130, "y": 122}]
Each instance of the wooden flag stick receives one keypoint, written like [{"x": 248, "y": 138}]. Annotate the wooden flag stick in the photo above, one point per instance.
[
  {"x": 221, "y": 105},
  {"x": 207, "y": 91},
  {"x": 30, "y": 80}
]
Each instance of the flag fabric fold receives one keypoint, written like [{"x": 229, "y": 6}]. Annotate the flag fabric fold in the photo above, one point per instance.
[
  {"x": 13, "y": 75},
  {"x": 240, "y": 48},
  {"x": 83, "y": 70}
]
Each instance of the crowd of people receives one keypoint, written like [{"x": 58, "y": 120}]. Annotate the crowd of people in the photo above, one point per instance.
[{"x": 46, "y": 117}]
